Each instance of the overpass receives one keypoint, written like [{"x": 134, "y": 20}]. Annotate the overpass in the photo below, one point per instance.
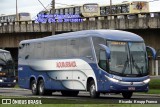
[{"x": 147, "y": 27}]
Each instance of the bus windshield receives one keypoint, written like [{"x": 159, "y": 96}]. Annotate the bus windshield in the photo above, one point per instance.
[
  {"x": 128, "y": 58},
  {"x": 6, "y": 65}
]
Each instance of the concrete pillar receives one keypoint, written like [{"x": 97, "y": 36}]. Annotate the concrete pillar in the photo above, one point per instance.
[
  {"x": 156, "y": 67},
  {"x": 153, "y": 69}
]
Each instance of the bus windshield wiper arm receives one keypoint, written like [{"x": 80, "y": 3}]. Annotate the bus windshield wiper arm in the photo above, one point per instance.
[
  {"x": 135, "y": 65},
  {"x": 125, "y": 65}
]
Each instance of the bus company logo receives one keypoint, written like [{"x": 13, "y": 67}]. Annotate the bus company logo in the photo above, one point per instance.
[
  {"x": 131, "y": 83},
  {"x": 6, "y": 101},
  {"x": 66, "y": 64}
]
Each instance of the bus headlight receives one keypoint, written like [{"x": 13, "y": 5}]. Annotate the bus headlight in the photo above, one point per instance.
[
  {"x": 146, "y": 81},
  {"x": 14, "y": 80},
  {"x": 112, "y": 79},
  {"x": 1, "y": 80}
]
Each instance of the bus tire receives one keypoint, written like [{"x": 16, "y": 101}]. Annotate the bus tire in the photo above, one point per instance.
[
  {"x": 34, "y": 87},
  {"x": 41, "y": 89},
  {"x": 92, "y": 90},
  {"x": 127, "y": 95}
]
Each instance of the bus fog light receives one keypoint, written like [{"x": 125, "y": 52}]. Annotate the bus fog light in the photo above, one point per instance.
[
  {"x": 1, "y": 80},
  {"x": 146, "y": 81}
]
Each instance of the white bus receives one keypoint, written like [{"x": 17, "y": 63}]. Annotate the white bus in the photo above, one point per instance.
[{"x": 98, "y": 61}]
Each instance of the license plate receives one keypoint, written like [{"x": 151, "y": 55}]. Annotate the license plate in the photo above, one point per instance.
[
  {"x": 131, "y": 88},
  {"x": 9, "y": 85}
]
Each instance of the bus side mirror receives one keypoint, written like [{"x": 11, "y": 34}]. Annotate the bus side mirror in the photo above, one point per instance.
[
  {"x": 108, "y": 52},
  {"x": 151, "y": 51},
  {"x": 106, "y": 48}
]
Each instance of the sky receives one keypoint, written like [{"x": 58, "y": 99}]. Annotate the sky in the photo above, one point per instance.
[{"x": 33, "y": 6}]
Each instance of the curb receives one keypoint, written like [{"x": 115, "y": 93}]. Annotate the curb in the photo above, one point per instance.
[{"x": 157, "y": 95}]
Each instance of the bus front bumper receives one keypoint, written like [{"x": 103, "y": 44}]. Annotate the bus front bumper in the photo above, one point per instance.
[
  {"x": 121, "y": 86},
  {"x": 7, "y": 84},
  {"x": 133, "y": 88}
]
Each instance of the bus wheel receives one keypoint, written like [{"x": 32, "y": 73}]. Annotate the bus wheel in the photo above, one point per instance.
[
  {"x": 127, "y": 95},
  {"x": 41, "y": 89},
  {"x": 92, "y": 90},
  {"x": 34, "y": 87}
]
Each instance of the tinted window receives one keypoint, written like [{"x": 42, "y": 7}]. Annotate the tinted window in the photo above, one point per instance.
[
  {"x": 30, "y": 51},
  {"x": 102, "y": 59},
  {"x": 71, "y": 11},
  {"x": 125, "y": 8},
  {"x": 103, "y": 11},
  {"x": 77, "y": 10},
  {"x": 49, "y": 49},
  {"x": 22, "y": 50},
  {"x": 38, "y": 51},
  {"x": 57, "y": 12},
  {"x": 2, "y": 58},
  {"x": 119, "y": 9},
  {"x": 85, "y": 49},
  {"x": 66, "y": 11},
  {"x": 114, "y": 10},
  {"x": 61, "y": 49},
  {"x": 73, "y": 48},
  {"x": 97, "y": 47},
  {"x": 107, "y": 10},
  {"x": 61, "y": 11}
]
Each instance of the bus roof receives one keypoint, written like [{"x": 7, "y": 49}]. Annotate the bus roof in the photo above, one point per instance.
[
  {"x": 13, "y": 14},
  {"x": 1, "y": 50},
  {"x": 76, "y": 5},
  {"x": 115, "y": 35},
  {"x": 125, "y": 2}
]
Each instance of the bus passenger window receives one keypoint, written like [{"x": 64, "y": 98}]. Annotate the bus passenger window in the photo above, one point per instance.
[
  {"x": 103, "y": 11},
  {"x": 125, "y": 8},
  {"x": 77, "y": 10},
  {"x": 107, "y": 10},
  {"x": 85, "y": 48},
  {"x": 71, "y": 12},
  {"x": 102, "y": 60},
  {"x": 72, "y": 48},
  {"x": 61, "y": 12},
  {"x": 57, "y": 11},
  {"x": 119, "y": 9},
  {"x": 114, "y": 10},
  {"x": 66, "y": 11}
]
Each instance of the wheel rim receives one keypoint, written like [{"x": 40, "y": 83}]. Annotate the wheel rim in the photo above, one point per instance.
[
  {"x": 41, "y": 88},
  {"x": 34, "y": 88},
  {"x": 92, "y": 89}
]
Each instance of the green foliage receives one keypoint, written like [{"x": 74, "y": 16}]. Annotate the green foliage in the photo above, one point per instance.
[{"x": 154, "y": 84}]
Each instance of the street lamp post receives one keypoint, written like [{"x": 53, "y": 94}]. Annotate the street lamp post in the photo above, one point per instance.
[
  {"x": 110, "y": 6},
  {"x": 53, "y": 12},
  {"x": 17, "y": 18}
]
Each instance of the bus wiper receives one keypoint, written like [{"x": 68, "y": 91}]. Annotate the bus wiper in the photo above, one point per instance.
[
  {"x": 125, "y": 65},
  {"x": 135, "y": 65}
]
